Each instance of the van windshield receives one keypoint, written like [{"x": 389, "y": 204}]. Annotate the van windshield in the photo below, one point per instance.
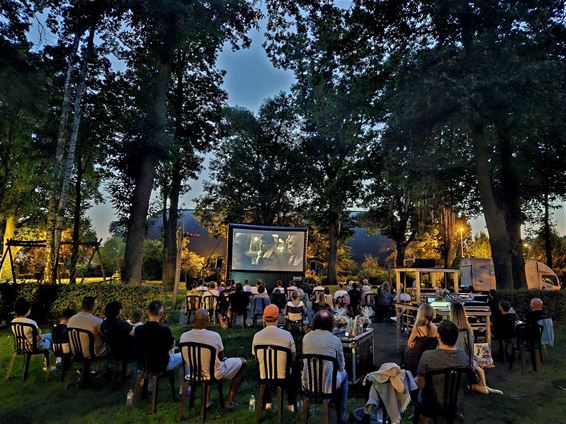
[{"x": 550, "y": 279}]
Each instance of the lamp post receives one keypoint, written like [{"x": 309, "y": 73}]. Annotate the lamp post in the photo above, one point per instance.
[{"x": 461, "y": 230}]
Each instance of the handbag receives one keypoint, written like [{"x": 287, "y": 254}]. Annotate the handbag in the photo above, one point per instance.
[{"x": 482, "y": 355}]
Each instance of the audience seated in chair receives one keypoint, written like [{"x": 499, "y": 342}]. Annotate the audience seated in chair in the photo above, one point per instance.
[
  {"x": 321, "y": 341},
  {"x": 117, "y": 333},
  {"x": 225, "y": 368},
  {"x": 504, "y": 327},
  {"x": 423, "y": 337},
  {"x": 86, "y": 320},
  {"x": 22, "y": 308},
  {"x": 239, "y": 301},
  {"x": 536, "y": 316},
  {"x": 273, "y": 336},
  {"x": 445, "y": 357}
]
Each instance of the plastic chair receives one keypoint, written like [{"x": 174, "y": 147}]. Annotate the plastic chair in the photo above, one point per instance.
[
  {"x": 61, "y": 347},
  {"x": 82, "y": 349},
  {"x": 295, "y": 325},
  {"x": 210, "y": 303},
  {"x": 269, "y": 374},
  {"x": 119, "y": 352},
  {"x": 197, "y": 358},
  {"x": 528, "y": 339},
  {"x": 315, "y": 391},
  {"x": 151, "y": 371},
  {"x": 259, "y": 304},
  {"x": 193, "y": 303},
  {"x": 23, "y": 346},
  {"x": 448, "y": 406}
]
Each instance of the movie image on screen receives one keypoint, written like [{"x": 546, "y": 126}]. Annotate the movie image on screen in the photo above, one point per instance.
[{"x": 267, "y": 250}]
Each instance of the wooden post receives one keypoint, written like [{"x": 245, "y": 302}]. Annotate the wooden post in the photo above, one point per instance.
[{"x": 177, "y": 267}]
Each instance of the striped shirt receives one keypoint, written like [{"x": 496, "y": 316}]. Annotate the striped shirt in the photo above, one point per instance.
[{"x": 322, "y": 342}]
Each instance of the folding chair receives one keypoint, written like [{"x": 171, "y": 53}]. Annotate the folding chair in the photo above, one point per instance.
[
  {"x": 25, "y": 343},
  {"x": 199, "y": 362}
]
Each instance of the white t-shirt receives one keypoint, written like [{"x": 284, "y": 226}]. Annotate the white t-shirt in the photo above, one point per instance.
[
  {"x": 28, "y": 331},
  {"x": 274, "y": 336},
  {"x": 247, "y": 288},
  {"x": 253, "y": 290},
  {"x": 211, "y": 339}
]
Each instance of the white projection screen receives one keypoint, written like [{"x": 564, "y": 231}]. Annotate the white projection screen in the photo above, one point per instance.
[{"x": 267, "y": 249}]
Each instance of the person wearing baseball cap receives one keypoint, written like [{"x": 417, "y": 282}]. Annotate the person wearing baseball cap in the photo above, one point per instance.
[{"x": 274, "y": 336}]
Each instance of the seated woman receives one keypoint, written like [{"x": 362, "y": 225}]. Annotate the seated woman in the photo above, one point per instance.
[
  {"x": 423, "y": 337},
  {"x": 328, "y": 297},
  {"x": 295, "y": 302},
  {"x": 320, "y": 304},
  {"x": 466, "y": 342},
  {"x": 239, "y": 301}
]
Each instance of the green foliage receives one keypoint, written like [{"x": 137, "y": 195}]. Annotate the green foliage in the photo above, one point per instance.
[
  {"x": 479, "y": 247},
  {"x": 152, "y": 259},
  {"x": 372, "y": 269},
  {"x": 554, "y": 302},
  {"x": 50, "y": 300},
  {"x": 112, "y": 254}
]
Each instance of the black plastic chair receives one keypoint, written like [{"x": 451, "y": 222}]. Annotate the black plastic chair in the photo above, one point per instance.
[
  {"x": 268, "y": 375},
  {"x": 149, "y": 370},
  {"x": 528, "y": 340},
  {"x": 259, "y": 304},
  {"x": 210, "y": 303},
  {"x": 119, "y": 352},
  {"x": 454, "y": 380},
  {"x": 317, "y": 368},
  {"x": 61, "y": 347},
  {"x": 23, "y": 346},
  {"x": 295, "y": 325},
  {"x": 82, "y": 350},
  {"x": 193, "y": 303},
  {"x": 196, "y": 357}
]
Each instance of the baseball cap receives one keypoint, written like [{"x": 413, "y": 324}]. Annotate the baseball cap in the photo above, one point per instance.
[{"x": 271, "y": 313}]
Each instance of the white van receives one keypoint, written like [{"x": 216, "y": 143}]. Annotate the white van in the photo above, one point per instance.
[{"x": 479, "y": 274}]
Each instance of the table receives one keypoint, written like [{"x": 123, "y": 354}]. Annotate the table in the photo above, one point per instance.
[{"x": 358, "y": 353}]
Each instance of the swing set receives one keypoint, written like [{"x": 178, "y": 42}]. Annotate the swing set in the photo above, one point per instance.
[{"x": 34, "y": 244}]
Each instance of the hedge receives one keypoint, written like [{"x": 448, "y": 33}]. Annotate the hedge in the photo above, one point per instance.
[
  {"x": 49, "y": 300},
  {"x": 554, "y": 301}
]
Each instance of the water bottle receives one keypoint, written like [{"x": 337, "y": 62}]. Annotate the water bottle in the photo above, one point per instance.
[
  {"x": 252, "y": 403},
  {"x": 129, "y": 398}
]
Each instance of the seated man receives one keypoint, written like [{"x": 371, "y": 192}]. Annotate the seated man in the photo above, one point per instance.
[
  {"x": 22, "y": 309},
  {"x": 117, "y": 332},
  {"x": 321, "y": 341},
  {"x": 536, "y": 316},
  {"x": 445, "y": 356},
  {"x": 155, "y": 341},
  {"x": 274, "y": 336},
  {"x": 504, "y": 326},
  {"x": 86, "y": 320},
  {"x": 224, "y": 368}
]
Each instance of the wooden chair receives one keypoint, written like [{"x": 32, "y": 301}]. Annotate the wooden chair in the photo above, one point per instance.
[
  {"x": 528, "y": 340},
  {"x": 82, "y": 350},
  {"x": 150, "y": 371},
  {"x": 22, "y": 332},
  {"x": 199, "y": 361},
  {"x": 210, "y": 303},
  {"x": 317, "y": 369},
  {"x": 447, "y": 407},
  {"x": 270, "y": 374},
  {"x": 61, "y": 347},
  {"x": 297, "y": 324},
  {"x": 193, "y": 303}
]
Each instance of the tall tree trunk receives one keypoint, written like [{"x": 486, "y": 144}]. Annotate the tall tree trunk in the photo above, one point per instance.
[
  {"x": 333, "y": 237},
  {"x": 70, "y": 158},
  {"x": 50, "y": 252},
  {"x": 9, "y": 230},
  {"x": 76, "y": 224},
  {"x": 170, "y": 231},
  {"x": 494, "y": 216},
  {"x": 400, "y": 245},
  {"x": 547, "y": 232},
  {"x": 133, "y": 257}
]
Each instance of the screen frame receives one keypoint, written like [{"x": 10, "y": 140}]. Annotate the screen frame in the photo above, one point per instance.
[{"x": 232, "y": 227}]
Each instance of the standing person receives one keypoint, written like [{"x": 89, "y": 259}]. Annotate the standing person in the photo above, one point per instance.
[
  {"x": 321, "y": 341},
  {"x": 355, "y": 298},
  {"x": 273, "y": 336},
  {"x": 466, "y": 342},
  {"x": 155, "y": 341},
  {"x": 385, "y": 300},
  {"x": 224, "y": 368},
  {"x": 86, "y": 320},
  {"x": 22, "y": 309},
  {"x": 423, "y": 336}
]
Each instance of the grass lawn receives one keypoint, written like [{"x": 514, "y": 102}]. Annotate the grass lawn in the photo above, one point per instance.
[{"x": 532, "y": 398}]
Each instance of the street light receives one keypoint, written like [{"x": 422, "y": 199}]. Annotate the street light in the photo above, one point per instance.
[{"x": 461, "y": 230}]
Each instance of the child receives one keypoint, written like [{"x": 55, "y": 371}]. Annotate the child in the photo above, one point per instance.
[{"x": 136, "y": 317}]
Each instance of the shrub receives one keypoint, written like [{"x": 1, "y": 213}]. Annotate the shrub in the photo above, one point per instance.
[
  {"x": 49, "y": 300},
  {"x": 554, "y": 302}
]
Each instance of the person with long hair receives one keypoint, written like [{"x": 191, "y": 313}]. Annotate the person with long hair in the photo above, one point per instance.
[
  {"x": 423, "y": 336},
  {"x": 466, "y": 342}
]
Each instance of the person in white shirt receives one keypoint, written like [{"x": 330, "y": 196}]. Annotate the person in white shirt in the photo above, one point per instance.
[
  {"x": 224, "y": 368},
  {"x": 340, "y": 292},
  {"x": 271, "y": 335},
  {"x": 279, "y": 287},
  {"x": 86, "y": 320},
  {"x": 22, "y": 308},
  {"x": 254, "y": 289},
  {"x": 247, "y": 288}
]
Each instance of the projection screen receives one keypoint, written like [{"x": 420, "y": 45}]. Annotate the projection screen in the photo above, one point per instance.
[{"x": 267, "y": 249}]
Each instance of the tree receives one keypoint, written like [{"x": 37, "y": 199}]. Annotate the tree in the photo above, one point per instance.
[
  {"x": 479, "y": 247},
  {"x": 157, "y": 30},
  {"x": 259, "y": 163}
]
